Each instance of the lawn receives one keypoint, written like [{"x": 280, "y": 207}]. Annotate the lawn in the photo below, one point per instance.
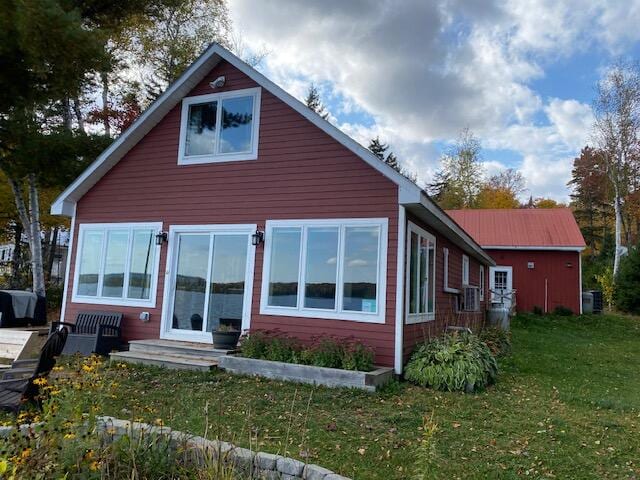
[{"x": 566, "y": 405}]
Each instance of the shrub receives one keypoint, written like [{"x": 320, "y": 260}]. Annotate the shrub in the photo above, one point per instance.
[
  {"x": 627, "y": 293},
  {"x": 282, "y": 349},
  {"x": 358, "y": 356},
  {"x": 54, "y": 297},
  {"x": 254, "y": 345},
  {"x": 324, "y": 351},
  {"x": 453, "y": 362},
  {"x": 562, "y": 311},
  {"x": 497, "y": 339},
  {"x": 607, "y": 285},
  {"x": 537, "y": 310}
]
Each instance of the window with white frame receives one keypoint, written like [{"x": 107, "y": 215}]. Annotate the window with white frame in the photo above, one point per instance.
[
  {"x": 220, "y": 127},
  {"x": 465, "y": 270},
  {"x": 482, "y": 280},
  {"x": 117, "y": 264},
  {"x": 445, "y": 273},
  {"x": 421, "y": 269},
  {"x": 333, "y": 269}
]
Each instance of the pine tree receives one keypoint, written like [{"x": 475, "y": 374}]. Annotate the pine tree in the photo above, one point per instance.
[
  {"x": 379, "y": 149},
  {"x": 314, "y": 102}
]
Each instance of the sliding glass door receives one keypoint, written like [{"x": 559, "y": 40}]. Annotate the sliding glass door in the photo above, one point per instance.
[{"x": 209, "y": 283}]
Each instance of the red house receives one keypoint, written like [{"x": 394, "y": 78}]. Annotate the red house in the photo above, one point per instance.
[
  {"x": 230, "y": 202},
  {"x": 537, "y": 252}
]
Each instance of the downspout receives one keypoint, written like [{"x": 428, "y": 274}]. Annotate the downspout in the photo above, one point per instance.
[
  {"x": 546, "y": 295},
  {"x": 400, "y": 280},
  {"x": 580, "y": 280}
]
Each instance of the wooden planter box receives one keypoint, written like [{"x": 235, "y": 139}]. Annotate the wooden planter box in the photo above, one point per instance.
[{"x": 329, "y": 377}]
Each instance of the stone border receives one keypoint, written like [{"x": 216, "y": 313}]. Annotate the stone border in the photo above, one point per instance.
[
  {"x": 329, "y": 377},
  {"x": 258, "y": 465}
]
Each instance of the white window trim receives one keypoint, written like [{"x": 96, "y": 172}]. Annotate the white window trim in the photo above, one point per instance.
[
  {"x": 482, "y": 281},
  {"x": 445, "y": 268},
  {"x": 219, "y": 157},
  {"x": 465, "y": 271},
  {"x": 412, "y": 318},
  {"x": 124, "y": 302},
  {"x": 378, "y": 317},
  {"x": 166, "y": 332}
]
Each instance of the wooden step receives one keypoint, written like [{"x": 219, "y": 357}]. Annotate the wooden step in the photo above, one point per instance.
[
  {"x": 173, "y": 347},
  {"x": 173, "y": 361}
]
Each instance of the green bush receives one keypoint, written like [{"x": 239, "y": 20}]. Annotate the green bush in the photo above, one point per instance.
[
  {"x": 627, "y": 291},
  {"x": 358, "y": 356},
  {"x": 324, "y": 351},
  {"x": 254, "y": 345},
  {"x": 562, "y": 311},
  {"x": 453, "y": 362},
  {"x": 497, "y": 339},
  {"x": 537, "y": 310},
  {"x": 54, "y": 297}
]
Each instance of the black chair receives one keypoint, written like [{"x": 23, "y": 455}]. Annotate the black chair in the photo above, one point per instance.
[
  {"x": 14, "y": 392},
  {"x": 93, "y": 332}
]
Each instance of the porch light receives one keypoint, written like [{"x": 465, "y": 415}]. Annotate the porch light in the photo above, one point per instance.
[
  {"x": 257, "y": 238},
  {"x": 161, "y": 237}
]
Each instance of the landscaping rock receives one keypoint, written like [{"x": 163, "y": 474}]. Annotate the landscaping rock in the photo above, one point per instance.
[
  {"x": 290, "y": 466},
  {"x": 266, "y": 461},
  {"x": 315, "y": 472}
]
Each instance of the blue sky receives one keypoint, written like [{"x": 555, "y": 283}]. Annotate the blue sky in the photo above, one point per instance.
[{"x": 521, "y": 74}]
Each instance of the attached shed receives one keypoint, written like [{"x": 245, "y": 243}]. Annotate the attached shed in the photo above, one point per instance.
[{"x": 537, "y": 252}]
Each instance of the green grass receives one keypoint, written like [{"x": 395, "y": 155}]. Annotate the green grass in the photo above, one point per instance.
[{"x": 566, "y": 405}]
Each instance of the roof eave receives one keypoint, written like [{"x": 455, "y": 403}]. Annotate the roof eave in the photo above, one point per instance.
[
  {"x": 443, "y": 223},
  {"x": 561, "y": 248}
]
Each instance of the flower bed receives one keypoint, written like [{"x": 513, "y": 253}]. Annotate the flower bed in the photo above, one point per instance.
[
  {"x": 322, "y": 351},
  {"x": 328, "y": 361}
]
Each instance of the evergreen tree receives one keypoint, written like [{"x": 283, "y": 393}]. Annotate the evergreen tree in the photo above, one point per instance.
[
  {"x": 627, "y": 287},
  {"x": 379, "y": 149},
  {"x": 314, "y": 102}
]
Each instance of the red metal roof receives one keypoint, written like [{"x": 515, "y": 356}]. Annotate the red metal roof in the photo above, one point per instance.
[{"x": 526, "y": 227}]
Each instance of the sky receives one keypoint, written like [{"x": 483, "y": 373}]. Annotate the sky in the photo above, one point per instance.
[{"x": 520, "y": 74}]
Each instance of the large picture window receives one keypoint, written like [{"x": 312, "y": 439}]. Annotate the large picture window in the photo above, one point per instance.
[
  {"x": 117, "y": 264},
  {"x": 421, "y": 273},
  {"x": 220, "y": 127},
  {"x": 331, "y": 269}
]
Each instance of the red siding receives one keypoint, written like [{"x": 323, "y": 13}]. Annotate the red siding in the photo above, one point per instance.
[
  {"x": 563, "y": 280},
  {"x": 446, "y": 313},
  {"x": 301, "y": 172}
]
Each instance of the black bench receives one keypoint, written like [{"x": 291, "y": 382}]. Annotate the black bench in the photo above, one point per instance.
[{"x": 92, "y": 332}]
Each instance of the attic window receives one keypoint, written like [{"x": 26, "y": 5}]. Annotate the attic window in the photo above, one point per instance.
[{"x": 220, "y": 127}]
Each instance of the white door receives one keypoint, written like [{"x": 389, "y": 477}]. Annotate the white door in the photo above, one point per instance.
[
  {"x": 501, "y": 285},
  {"x": 208, "y": 281}
]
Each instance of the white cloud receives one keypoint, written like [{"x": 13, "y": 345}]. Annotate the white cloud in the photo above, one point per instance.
[{"x": 424, "y": 70}]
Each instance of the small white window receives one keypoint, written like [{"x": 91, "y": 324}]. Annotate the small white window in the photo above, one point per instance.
[
  {"x": 220, "y": 127},
  {"x": 117, "y": 264},
  {"x": 481, "y": 283},
  {"x": 421, "y": 269},
  {"x": 334, "y": 269},
  {"x": 465, "y": 270},
  {"x": 445, "y": 268}
]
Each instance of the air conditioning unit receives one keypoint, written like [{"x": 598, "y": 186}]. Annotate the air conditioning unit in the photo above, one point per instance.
[{"x": 471, "y": 299}]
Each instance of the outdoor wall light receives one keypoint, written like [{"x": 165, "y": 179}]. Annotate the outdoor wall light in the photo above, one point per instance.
[
  {"x": 218, "y": 82},
  {"x": 161, "y": 237},
  {"x": 257, "y": 238}
]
